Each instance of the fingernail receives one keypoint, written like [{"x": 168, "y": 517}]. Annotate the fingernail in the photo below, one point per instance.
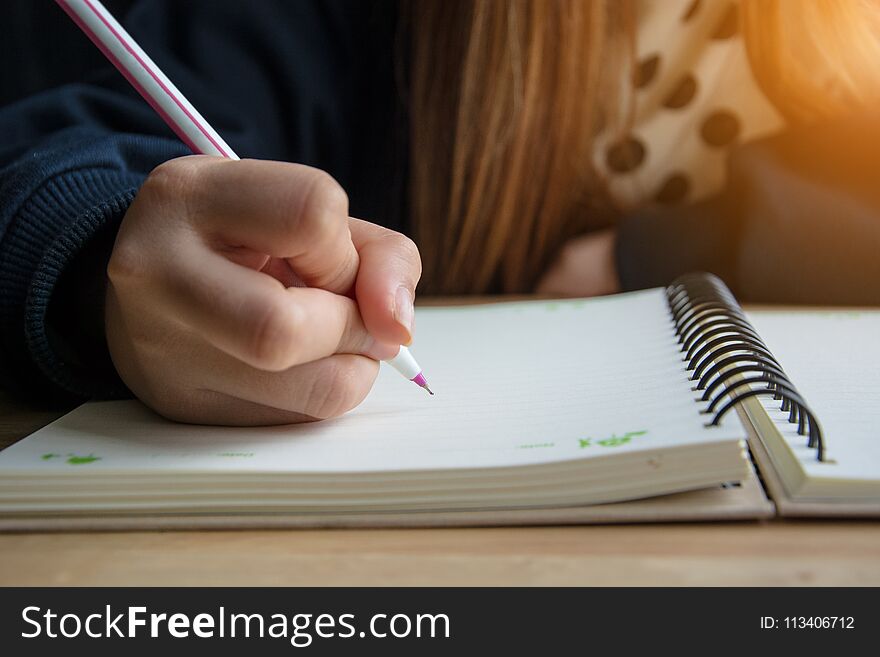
[{"x": 404, "y": 313}]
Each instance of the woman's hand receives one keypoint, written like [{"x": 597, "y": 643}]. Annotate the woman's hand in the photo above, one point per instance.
[
  {"x": 202, "y": 318},
  {"x": 584, "y": 268}
]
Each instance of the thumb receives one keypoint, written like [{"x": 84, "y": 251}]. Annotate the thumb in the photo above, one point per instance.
[{"x": 390, "y": 267}]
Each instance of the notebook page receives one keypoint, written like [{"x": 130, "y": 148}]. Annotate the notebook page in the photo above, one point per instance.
[
  {"x": 515, "y": 383},
  {"x": 833, "y": 359}
]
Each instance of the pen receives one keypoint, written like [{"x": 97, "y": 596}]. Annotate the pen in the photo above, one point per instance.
[{"x": 143, "y": 74}]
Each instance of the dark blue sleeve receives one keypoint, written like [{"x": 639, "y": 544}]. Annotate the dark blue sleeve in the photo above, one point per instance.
[
  {"x": 275, "y": 79},
  {"x": 66, "y": 176}
]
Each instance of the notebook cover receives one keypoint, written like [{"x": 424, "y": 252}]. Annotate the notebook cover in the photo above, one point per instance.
[{"x": 788, "y": 507}]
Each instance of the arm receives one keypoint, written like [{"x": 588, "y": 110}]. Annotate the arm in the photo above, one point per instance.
[
  {"x": 273, "y": 78},
  {"x": 73, "y": 157}
]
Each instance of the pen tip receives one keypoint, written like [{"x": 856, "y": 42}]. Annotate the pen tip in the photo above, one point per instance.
[{"x": 420, "y": 380}]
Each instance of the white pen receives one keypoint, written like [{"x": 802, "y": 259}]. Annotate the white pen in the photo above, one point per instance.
[{"x": 143, "y": 74}]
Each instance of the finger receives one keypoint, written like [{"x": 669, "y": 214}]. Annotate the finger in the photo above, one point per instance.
[
  {"x": 390, "y": 268},
  {"x": 322, "y": 389},
  {"x": 278, "y": 208},
  {"x": 254, "y": 318}
]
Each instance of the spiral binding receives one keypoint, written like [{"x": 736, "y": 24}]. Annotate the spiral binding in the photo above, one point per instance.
[{"x": 726, "y": 357}]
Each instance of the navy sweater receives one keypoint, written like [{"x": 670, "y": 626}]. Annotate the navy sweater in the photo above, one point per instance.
[{"x": 315, "y": 82}]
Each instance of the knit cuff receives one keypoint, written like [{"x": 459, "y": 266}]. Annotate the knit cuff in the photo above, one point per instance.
[{"x": 54, "y": 225}]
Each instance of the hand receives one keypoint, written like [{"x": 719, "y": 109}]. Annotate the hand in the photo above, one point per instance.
[
  {"x": 202, "y": 319},
  {"x": 584, "y": 268}
]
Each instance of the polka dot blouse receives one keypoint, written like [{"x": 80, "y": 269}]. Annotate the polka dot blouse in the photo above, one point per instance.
[{"x": 695, "y": 98}]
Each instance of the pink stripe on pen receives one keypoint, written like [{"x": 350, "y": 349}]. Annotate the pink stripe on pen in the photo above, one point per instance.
[{"x": 134, "y": 82}]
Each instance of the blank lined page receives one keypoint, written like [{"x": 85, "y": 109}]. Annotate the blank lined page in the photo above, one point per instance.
[
  {"x": 833, "y": 359},
  {"x": 515, "y": 384}
]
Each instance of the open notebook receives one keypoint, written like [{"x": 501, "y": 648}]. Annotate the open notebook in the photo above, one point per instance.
[
  {"x": 546, "y": 412},
  {"x": 538, "y": 405}
]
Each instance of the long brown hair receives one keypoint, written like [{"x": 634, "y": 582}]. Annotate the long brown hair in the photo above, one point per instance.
[{"x": 506, "y": 97}]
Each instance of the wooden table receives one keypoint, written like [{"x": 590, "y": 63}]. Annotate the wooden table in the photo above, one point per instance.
[{"x": 759, "y": 553}]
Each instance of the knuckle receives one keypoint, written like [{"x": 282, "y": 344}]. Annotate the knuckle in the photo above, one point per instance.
[
  {"x": 176, "y": 186},
  {"x": 324, "y": 207},
  {"x": 326, "y": 195},
  {"x": 126, "y": 263},
  {"x": 336, "y": 389},
  {"x": 408, "y": 250},
  {"x": 272, "y": 345},
  {"x": 353, "y": 335},
  {"x": 400, "y": 248},
  {"x": 171, "y": 176}
]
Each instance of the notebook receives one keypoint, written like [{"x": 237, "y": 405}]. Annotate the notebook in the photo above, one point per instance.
[
  {"x": 546, "y": 412},
  {"x": 538, "y": 405}
]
